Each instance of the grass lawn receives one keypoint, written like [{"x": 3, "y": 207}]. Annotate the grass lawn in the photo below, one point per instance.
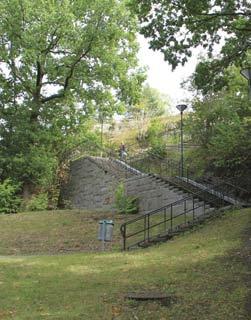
[
  {"x": 52, "y": 232},
  {"x": 205, "y": 271}
]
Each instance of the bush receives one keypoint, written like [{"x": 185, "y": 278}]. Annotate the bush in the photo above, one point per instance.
[
  {"x": 9, "y": 201},
  {"x": 125, "y": 204},
  {"x": 37, "y": 203}
]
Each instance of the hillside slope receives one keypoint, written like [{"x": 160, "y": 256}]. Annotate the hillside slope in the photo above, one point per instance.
[{"x": 205, "y": 272}]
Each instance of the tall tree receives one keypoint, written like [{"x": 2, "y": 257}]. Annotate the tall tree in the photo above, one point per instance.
[
  {"x": 59, "y": 61},
  {"x": 151, "y": 104},
  {"x": 221, "y": 125}
]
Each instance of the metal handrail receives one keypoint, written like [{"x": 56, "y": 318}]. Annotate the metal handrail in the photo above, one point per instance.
[
  {"x": 172, "y": 167},
  {"x": 158, "y": 224},
  {"x": 168, "y": 164},
  {"x": 233, "y": 190},
  {"x": 198, "y": 195},
  {"x": 229, "y": 183},
  {"x": 147, "y": 215}
]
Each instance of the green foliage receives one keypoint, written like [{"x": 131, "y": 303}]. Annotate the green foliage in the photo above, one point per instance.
[
  {"x": 208, "y": 77},
  {"x": 9, "y": 201},
  {"x": 151, "y": 104},
  {"x": 221, "y": 125},
  {"x": 38, "y": 202},
  {"x": 159, "y": 137},
  {"x": 63, "y": 62},
  {"x": 156, "y": 138},
  {"x": 123, "y": 203},
  {"x": 176, "y": 27}
]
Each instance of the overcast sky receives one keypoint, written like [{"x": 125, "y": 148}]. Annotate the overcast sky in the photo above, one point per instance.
[{"x": 160, "y": 75}]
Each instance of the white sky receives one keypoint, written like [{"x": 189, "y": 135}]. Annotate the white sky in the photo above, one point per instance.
[{"x": 160, "y": 75}]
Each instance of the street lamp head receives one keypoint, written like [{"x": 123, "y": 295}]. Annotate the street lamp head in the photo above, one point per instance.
[
  {"x": 246, "y": 73},
  {"x": 181, "y": 107}
]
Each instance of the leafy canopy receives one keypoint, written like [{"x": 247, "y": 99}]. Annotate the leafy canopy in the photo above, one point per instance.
[
  {"x": 221, "y": 125},
  {"x": 175, "y": 27},
  {"x": 60, "y": 62},
  {"x": 151, "y": 103}
]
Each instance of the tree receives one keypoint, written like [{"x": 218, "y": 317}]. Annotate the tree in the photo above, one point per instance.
[
  {"x": 151, "y": 104},
  {"x": 175, "y": 27},
  {"x": 221, "y": 125},
  {"x": 60, "y": 60}
]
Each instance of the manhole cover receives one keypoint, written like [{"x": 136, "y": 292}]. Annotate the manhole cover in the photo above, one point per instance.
[{"x": 161, "y": 297}]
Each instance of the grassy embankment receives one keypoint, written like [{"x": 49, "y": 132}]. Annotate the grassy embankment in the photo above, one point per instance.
[
  {"x": 204, "y": 270},
  {"x": 128, "y": 132}
]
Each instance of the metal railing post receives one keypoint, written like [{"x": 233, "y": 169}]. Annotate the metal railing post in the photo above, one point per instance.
[
  {"x": 144, "y": 228},
  {"x": 124, "y": 237},
  {"x": 165, "y": 219},
  {"x": 193, "y": 209},
  {"x": 185, "y": 211},
  {"x": 148, "y": 228},
  {"x": 171, "y": 217}
]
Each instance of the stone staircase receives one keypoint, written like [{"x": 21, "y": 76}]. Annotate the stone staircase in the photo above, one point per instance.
[
  {"x": 167, "y": 206},
  {"x": 93, "y": 181}
]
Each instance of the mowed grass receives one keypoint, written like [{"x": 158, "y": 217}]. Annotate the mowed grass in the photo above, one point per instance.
[
  {"x": 51, "y": 232},
  {"x": 203, "y": 270}
]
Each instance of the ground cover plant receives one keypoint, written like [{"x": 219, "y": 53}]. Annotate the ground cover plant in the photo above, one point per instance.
[{"x": 204, "y": 271}]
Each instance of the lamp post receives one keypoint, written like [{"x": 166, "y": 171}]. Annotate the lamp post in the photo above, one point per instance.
[
  {"x": 181, "y": 108},
  {"x": 246, "y": 73}
]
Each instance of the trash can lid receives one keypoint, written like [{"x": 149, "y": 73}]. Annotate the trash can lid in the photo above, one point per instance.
[{"x": 106, "y": 221}]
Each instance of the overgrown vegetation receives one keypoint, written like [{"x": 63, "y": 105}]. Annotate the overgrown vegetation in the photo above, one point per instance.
[
  {"x": 125, "y": 204},
  {"x": 221, "y": 126},
  {"x": 36, "y": 203},
  {"x": 9, "y": 200}
]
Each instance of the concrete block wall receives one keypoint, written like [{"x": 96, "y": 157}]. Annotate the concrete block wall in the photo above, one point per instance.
[
  {"x": 93, "y": 181},
  {"x": 152, "y": 193},
  {"x": 89, "y": 186}
]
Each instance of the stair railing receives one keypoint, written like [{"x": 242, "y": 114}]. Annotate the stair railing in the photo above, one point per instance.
[
  {"x": 164, "y": 221},
  {"x": 150, "y": 162},
  {"x": 229, "y": 186},
  {"x": 168, "y": 168}
]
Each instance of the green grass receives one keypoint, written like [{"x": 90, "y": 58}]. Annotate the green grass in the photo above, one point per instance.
[
  {"x": 203, "y": 270},
  {"x": 51, "y": 232}
]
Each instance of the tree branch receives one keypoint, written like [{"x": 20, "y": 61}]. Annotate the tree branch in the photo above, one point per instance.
[
  {"x": 69, "y": 76},
  {"x": 73, "y": 67},
  {"x": 242, "y": 29},
  {"x": 15, "y": 74},
  {"x": 56, "y": 83},
  {"x": 39, "y": 74},
  {"x": 225, "y": 14},
  {"x": 52, "y": 43}
]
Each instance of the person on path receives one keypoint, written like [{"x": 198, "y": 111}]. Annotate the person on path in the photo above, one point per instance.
[{"x": 122, "y": 152}]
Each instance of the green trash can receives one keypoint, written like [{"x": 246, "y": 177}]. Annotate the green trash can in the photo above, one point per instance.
[{"x": 105, "y": 230}]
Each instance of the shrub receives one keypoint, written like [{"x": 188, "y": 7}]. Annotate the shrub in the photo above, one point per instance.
[
  {"x": 125, "y": 204},
  {"x": 9, "y": 201},
  {"x": 37, "y": 202}
]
